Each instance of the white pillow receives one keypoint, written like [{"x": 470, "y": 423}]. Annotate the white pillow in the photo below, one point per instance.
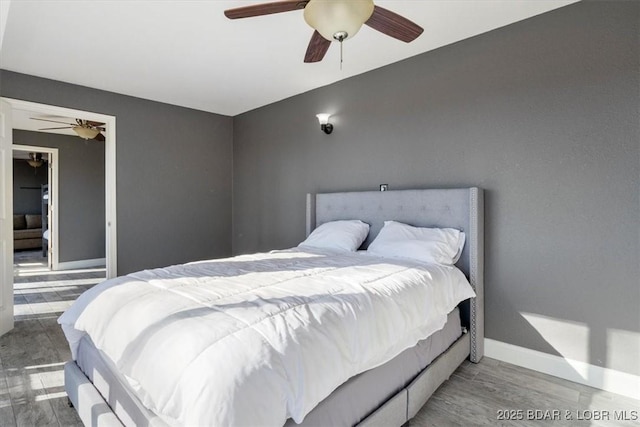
[
  {"x": 345, "y": 235},
  {"x": 398, "y": 240}
]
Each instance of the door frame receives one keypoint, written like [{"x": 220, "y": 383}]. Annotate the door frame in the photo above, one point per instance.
[
  {"x": 6, "y": 215},
  {"x": 111, "y": 253},
  {"x": 53, "y": 251}
]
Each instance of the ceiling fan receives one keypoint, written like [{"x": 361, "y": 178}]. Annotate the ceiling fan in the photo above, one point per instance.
[
  {"x": 85, "y": 129},
  {"x": 35, "y": 160},
  {"x": 335, "y": 20}
]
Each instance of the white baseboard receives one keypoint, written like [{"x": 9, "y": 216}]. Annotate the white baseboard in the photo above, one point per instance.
[
  {"x": 83, "y": 263},
  {"x": 572, "y": 370}
]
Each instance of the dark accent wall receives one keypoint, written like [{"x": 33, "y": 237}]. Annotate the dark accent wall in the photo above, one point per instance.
[
  {"x": 27, "y": 183},
  {"x": 81, "y": 198},
  {"x": 542, "y": 114},
  {"x": 173, "y": 172}
]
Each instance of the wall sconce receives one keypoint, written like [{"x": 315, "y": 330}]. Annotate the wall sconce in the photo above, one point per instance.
[{"x": 324, "y": 123}]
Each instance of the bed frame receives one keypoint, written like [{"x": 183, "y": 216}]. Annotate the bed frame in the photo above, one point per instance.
[
  {"x": 461, "y": 208},
  {"x": 456, "y": 208}
]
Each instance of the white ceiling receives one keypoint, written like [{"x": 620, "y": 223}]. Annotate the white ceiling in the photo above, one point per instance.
[{"x": 187, "y": 53}]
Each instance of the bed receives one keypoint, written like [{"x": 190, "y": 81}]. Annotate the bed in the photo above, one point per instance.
[{"x": 389, "y": 393}]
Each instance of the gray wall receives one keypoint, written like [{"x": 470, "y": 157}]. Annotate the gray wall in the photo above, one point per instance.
[
  {"x": 173, "y": 172},
  {"x": 542, "y": 114},
  {"x": 81, "y": 199},
  {"x": 27, "y": 182}
]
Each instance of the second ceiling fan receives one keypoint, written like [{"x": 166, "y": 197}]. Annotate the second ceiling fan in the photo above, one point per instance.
[
  {"x": 85, "y": 129},
  {"x": 335, "y": 20}
]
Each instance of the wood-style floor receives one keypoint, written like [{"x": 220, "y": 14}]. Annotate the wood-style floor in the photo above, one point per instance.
[{"x": 33, "y": 354}]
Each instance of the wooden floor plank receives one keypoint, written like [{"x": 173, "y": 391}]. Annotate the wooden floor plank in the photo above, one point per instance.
[
  {"x": 518, "y": 376},
  {"x": 477, "y": 395},
  {"x": 7, "y": 417}
]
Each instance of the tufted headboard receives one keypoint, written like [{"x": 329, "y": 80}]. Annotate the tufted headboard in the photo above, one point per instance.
[{"x": 461, "y": 208}]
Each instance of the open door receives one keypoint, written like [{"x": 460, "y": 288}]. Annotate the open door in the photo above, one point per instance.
[{"x": 6, "y": 219}]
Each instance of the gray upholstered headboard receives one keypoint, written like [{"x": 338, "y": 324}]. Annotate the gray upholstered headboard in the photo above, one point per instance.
[{"x": 461, "y": 208}]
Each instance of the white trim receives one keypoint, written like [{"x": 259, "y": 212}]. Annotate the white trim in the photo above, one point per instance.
[
  {"x": 53, "y": 201},
  {"x": 580, "y": 372},
  {"x": 80, "y": 264},
  {"x": 6, "y": 219},
  {"x": 110, "y": 168},
  {"x": 110, "y": 198}
]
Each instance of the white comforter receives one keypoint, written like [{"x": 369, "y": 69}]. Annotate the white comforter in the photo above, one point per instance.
[{"x": 256, "y": 339}]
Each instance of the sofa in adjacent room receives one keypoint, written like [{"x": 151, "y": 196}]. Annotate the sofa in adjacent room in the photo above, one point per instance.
[{"x": 27, "y": 231}]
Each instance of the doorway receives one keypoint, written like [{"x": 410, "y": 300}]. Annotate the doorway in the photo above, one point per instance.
[
  {"x": 35, "y": 191},
  {"x": 6, "y": 200},
  {"x": 110, "y": 167}
]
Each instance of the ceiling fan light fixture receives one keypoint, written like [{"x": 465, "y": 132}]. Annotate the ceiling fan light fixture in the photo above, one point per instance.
[
  {"x": 86, "y": 132},
  {"x": 35, "y": 160},
  {"x": 331, "y": 17}
]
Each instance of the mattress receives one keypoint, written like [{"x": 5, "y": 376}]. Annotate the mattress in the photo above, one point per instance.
[{"x": 361, "y": 394}]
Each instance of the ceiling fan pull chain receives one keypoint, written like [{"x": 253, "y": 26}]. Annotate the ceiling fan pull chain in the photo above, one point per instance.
[{"x": 340, "y": 36}]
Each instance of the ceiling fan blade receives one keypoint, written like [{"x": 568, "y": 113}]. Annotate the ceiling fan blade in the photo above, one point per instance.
[
  {"x": 394, "y": 25},
  {"x": 317, "y": 48},
  {"x": 63, "y": 127},
  {"x": 94, "y": 124},
  {"x": 52, "y": 121},
  {"x": 265, "y": 8},
  {"x": 99, "y": 137}
]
